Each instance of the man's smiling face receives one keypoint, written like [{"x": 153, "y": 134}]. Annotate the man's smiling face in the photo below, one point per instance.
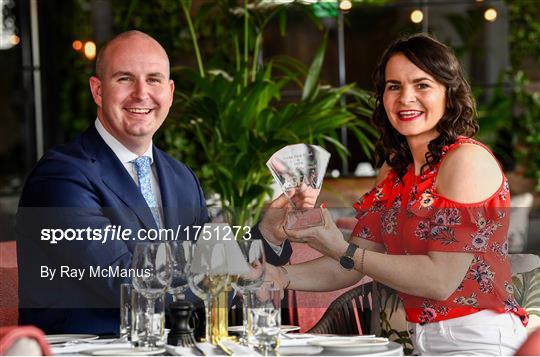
[{"x": 133, "y": 92}]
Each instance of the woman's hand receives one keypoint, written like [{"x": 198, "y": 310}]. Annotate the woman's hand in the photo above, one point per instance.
[
  {"x": 327, "y": 239},
  {"x": 278, "y": 276},
  {"x": 275, "y": 217}
]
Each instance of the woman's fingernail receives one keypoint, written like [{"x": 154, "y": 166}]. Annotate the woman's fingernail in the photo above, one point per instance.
[{"x": 323, "y": 205}]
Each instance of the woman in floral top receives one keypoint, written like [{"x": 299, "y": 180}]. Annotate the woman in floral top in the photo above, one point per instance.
[{"x": 435, "y": 225}]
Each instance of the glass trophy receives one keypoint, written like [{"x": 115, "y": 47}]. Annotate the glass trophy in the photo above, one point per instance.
[{"x": 300, "y": 168}]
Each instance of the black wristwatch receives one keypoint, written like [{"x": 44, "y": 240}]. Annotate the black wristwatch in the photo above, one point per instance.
[{"x": 346, "y": 260}]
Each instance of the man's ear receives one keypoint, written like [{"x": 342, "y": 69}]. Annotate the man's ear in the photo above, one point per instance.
[
  {"x": 95, "y": 88},
  {"x": 171, "y": 83}
]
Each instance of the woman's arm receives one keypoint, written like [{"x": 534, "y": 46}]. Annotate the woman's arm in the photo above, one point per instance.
[
  {"x": 435, "y": 275},
  {"x": 322, "y": 274}
]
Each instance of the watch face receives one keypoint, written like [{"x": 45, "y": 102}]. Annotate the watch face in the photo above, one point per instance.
[{"x": 346, "y": 262}]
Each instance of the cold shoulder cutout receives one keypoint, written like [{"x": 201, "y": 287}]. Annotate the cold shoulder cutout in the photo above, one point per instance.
[{"x": 409, "y": 216}]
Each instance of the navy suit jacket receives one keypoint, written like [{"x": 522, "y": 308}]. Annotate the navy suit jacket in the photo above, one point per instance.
[{"x": 82, "y": 185}]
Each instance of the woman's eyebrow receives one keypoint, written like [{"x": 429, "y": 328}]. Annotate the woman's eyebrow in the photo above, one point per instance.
[{"x": 416, "y": 80}]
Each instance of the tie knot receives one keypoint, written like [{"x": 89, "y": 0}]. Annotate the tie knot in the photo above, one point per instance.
[{"x": 142, "y": 164}]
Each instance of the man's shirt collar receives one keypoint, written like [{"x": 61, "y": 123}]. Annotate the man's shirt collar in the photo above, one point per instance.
[{"x": 123, "y": 153}]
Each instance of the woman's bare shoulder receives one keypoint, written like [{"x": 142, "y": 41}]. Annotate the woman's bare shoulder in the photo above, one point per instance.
[{"x": 469, "y": 174}]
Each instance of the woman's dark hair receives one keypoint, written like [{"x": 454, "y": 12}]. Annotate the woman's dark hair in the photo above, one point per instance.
[{"x": 440, "y": 62}]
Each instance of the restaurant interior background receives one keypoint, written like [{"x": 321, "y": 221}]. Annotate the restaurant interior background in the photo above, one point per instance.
[{"x": 47, "y": 49}]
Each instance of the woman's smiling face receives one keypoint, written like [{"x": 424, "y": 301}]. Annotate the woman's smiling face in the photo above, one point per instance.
[{"x": 413, "y": 100}]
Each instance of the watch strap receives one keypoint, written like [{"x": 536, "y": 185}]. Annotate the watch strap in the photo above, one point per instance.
[{"x": 351, "y": 249}]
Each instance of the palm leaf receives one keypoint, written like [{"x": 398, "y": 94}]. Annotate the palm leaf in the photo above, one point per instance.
[
  {"x": 527, "y": 289},
  {"x": 312, "y": 78}
]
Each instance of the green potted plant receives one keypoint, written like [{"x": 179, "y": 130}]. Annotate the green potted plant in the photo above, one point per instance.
[{"x": 236, "y": 119}]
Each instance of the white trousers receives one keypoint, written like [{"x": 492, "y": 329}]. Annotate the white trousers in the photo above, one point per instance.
[{"x": 483, "y": 333}]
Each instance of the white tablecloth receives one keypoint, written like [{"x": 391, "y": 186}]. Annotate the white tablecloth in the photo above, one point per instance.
[{"x": 293, "y": 344}]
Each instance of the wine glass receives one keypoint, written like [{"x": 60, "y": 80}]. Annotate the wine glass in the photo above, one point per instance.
[
  {"x": 181, "y": 252},
  {"x": 253, "y": 255},
  {"x": 152, "y": 264},
  {"x": 266, "y": 317},
  {"x": 207, "y": 275}
]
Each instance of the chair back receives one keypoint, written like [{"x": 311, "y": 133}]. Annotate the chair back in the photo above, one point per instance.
[
  {"x": 9, "y": 284},
  {"x": 349, "y": 314}
]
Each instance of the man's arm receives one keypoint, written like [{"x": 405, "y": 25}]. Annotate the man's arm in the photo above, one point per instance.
[
  {"x": 65, "y": 202},
  {"x": 275, "y": 254},
  {"x": 277, "y": 247}
]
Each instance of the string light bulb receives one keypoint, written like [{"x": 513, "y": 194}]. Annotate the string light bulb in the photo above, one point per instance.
[
  {"x": 77, "y": 45},
  {"x": 490, "y": 14},
  {"x": 345, "y": 5},
  {"x": 14, "y": 40},
  {"x": 90, "y": 50},
  {"x": 417, "y": 16}
]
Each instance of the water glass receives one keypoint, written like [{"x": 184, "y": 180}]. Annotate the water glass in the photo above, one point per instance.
[
  {"x": 125, "y": 311},
  {"x": 252, "y": 255},
  {"x": 266, "y": 317},
  {"x": 141, "y": 336},
  {"x": 154, "y": 259}
]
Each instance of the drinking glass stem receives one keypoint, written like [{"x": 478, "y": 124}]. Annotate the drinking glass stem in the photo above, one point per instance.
[
  {"x": 208, "y": 315},
  {"x": 150, "y": 318},
  {"x": 246, "y": 303}
]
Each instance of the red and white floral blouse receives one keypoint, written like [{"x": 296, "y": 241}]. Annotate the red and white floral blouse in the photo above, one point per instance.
[{"x": 409, "y": 217}]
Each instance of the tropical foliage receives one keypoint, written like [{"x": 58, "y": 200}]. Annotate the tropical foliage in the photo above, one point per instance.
[
  {"x": 235, "y": 120},
  {"x": 527, "y": 291},
  {"x": 524, "y": 30},
  {"x": 508, "y": 113},
  {"x": 390, "y": 303}
]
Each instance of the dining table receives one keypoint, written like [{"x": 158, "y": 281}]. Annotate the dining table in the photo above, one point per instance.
[{"x": 291, "y": 344}]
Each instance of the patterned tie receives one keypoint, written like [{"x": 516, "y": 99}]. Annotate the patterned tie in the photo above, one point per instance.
[{"x": 142, "y": 167}]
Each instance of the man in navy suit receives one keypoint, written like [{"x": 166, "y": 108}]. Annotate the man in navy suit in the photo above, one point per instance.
[{"x": 111, "y": 176}]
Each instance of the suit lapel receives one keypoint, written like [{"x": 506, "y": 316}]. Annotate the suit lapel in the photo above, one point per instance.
[
  {"x": 166, "y": 178},
  {"x": 115, "y": 176}
]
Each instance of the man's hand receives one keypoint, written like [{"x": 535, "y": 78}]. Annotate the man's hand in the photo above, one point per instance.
[
  {"x": 273, "y": 222},
  {"x": 271, "y": 225}
]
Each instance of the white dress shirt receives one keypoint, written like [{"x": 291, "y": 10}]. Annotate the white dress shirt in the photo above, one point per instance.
[{"x": 125, "y": 156}]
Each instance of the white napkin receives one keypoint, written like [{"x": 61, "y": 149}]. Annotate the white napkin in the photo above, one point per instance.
[
  {"x": 239, "y": 350},
  {"x": 297, "y": 339},
  {"x": 211, "y": 350},
  {"x": 78, "y": 347},
  {"x": 180, "y": 351}
]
